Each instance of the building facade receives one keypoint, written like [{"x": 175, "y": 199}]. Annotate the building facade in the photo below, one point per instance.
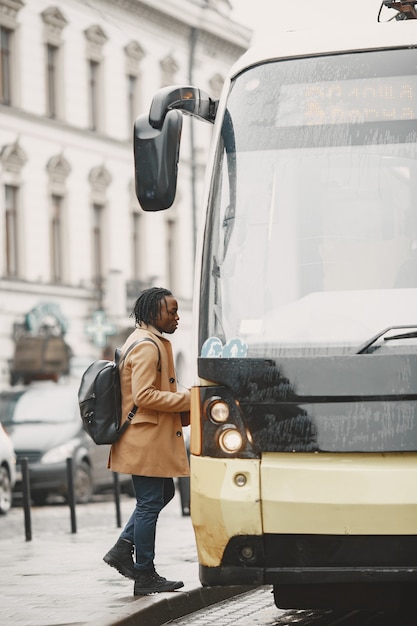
[{"x": 76, "y": 248}]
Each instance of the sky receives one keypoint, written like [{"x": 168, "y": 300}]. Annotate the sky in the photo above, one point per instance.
[{"x": 266, "y": 17}]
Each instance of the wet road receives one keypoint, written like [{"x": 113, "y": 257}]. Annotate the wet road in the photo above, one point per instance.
[
  {"x": 57, "y": 516},
  {"x": 257, "y": 608}
]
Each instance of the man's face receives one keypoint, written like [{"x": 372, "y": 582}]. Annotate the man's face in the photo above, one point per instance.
[{"x": 167, "y": 320}]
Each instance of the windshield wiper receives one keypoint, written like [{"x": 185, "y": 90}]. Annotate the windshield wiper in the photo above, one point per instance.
[
  {"x": 371, "y": 341},
  {"x": 402, "y": 336}
]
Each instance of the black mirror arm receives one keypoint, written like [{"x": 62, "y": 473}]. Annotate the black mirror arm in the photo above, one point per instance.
[{"x": 188, "y": 100}]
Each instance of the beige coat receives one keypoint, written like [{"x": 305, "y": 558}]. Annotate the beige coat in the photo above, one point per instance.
[{"x": 153, "y": 445}]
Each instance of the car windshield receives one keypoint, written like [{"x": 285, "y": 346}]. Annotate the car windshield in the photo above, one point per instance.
[
  {"x": 48, "y": 405},
  {"x": 311, "y": 234}
]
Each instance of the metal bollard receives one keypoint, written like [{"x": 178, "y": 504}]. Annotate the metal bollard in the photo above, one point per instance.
[
  {"x": 116, "y": 484},
  {"x": 26, "y": 498},
  {"x": 71, "y": 495}
]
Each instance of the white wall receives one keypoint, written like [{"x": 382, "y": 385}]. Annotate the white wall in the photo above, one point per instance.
[{"x": 160, "y": 33}]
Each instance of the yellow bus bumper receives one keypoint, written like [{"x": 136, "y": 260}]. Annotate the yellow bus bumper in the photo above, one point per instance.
[{"x": 301, "y": 494}]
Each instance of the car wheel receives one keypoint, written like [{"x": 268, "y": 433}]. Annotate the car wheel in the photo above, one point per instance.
[
  {"x": 5, "y": 491},
  {"x": 83, "y": 483}
]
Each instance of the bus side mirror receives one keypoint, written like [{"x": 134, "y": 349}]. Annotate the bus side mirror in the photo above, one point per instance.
[{"x": 156, "y": 155}]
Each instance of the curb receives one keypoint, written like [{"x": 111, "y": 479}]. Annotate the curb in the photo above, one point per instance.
[{"x": 161, "y": 608}]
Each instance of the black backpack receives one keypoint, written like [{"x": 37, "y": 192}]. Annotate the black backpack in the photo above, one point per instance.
[{"x": 100, "y": 401}]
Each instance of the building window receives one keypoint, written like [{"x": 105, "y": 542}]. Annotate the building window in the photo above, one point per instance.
[
  {"x": 100, "y": 179},
  {"x": 136, "y": 245},
  {"x": 11, "y": 231},
  {"x": 93, "y": 86},
  {"x": 54, "y": 23},
  {"x": 51, "y": 79},
  {"x": 56, "y": 238},
  {"x": 98, "y": 270},
  {"x": 58, "y": 169},
  {"x": 95, "y": 41},
  {"x": 5, "y": 65},
  {"x": 132, "y": 110},
  {"x": 171, "y": 253},
  {"x": 134, "y": 55}
]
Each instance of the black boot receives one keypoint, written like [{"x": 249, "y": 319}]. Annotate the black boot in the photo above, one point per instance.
[
  {"x": 149, "y": 581},
  {"x": 120, "y": 557}
]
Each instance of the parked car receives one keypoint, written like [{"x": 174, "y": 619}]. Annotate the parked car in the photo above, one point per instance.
[
  {"x": 7, "y": 471},
  {"x": 45, "y": 426}
]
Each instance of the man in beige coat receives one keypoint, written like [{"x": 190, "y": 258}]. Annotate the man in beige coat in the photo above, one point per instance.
[{"x": 152, "y": 449}]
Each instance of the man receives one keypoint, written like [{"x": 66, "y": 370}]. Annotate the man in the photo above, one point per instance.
[{"x": 152, "y": 448}]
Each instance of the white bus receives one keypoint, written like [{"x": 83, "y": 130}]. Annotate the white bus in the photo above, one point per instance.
[{"x": 304, "y": 418}]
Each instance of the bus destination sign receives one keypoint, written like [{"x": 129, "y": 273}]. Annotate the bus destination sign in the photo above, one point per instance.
[{"x": 357, "y": 101}]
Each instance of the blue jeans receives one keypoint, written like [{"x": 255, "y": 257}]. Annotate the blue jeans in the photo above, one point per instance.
[{"x": 152, "y": 494}]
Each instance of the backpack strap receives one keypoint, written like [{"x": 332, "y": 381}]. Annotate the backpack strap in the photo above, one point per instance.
[
  {"x": 133, "y": 410},
  {"x": 135, "y": 343}
]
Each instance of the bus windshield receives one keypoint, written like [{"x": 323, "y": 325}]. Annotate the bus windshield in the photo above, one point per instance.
[{"x": 311, "y": 233}]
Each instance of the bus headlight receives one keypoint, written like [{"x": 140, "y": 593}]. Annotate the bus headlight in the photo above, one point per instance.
[
  {"x": 230, "y": 440},
  {"x": 218, "y": 410}
]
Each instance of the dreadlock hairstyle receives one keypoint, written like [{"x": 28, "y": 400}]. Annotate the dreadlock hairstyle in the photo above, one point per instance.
[{"x": 148, "y": 306}]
